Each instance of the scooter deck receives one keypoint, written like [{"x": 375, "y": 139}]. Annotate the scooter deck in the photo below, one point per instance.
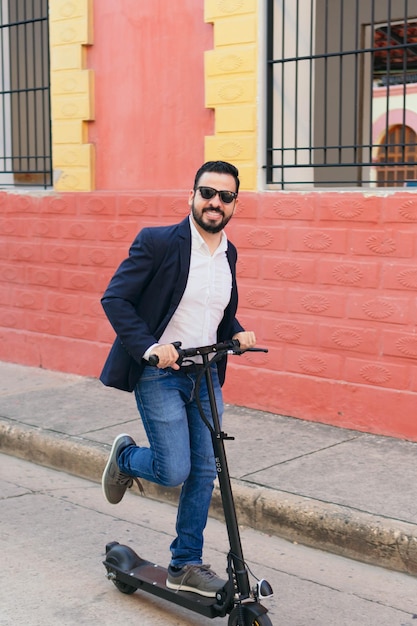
[{"x": 151, "y": 578}]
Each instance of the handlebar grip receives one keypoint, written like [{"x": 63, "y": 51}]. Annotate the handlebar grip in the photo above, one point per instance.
[{"x": 153, "y": 360}]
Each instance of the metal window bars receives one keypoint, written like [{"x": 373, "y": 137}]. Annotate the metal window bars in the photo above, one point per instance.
[
  {"x": 341, "y": 75},
  {"x": 25, "y": 119}
]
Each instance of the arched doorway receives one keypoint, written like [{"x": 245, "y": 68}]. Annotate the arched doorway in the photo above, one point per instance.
[{"x": 398, "y": 152}]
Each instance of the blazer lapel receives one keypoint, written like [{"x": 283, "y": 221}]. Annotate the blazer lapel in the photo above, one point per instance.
[{"x": 182, "y": 254}]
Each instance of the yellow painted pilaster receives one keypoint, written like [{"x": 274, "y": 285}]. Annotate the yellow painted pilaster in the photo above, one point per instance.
[
  {"x": 231, "y": 85},
  {"x": 72, "y": 94}
]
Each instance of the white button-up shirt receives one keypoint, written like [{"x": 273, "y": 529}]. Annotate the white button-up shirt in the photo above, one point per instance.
[{"x": 207, "y": 294}]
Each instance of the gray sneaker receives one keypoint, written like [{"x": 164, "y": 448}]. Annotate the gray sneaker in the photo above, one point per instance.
[
  {"x": 114, "y": 482},
  {"x": 197, "y": 578}
]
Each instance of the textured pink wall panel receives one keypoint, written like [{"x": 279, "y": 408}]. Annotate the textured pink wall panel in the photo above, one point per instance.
[{"x": 327, "y": 281}]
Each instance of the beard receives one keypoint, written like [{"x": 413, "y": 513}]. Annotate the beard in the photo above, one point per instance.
[{"x": 209, "y": 228}]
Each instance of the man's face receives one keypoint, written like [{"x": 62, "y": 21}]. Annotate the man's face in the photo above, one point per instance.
[{"x": 213, "y": 214}]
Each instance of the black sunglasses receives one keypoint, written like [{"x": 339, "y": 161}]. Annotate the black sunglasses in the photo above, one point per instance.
[{"x": 225, "y": 196}]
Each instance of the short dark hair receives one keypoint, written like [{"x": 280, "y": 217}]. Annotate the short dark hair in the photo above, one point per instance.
[{"x": 220, "y": 167}]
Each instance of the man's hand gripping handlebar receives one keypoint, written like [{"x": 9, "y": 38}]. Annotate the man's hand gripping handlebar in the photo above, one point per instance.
[{"x": 231, "y": 346}]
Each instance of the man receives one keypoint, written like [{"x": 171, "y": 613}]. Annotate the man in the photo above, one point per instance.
[{"x": 178, "y": 284}]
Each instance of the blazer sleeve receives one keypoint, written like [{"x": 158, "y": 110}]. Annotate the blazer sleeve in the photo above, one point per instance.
[{"x": 122, "y": 298}]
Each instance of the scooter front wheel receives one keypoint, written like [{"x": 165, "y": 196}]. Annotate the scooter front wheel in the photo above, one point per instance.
[{"x": 248, "y": 615}]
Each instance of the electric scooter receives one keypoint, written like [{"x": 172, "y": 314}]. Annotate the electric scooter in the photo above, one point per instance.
[{"x": 237, "y": 598}]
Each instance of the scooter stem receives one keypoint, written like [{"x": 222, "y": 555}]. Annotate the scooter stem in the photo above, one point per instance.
[{"x": 242, "y": 578}]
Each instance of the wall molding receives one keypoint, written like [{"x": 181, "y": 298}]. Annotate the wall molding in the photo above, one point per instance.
[
  {"x": 231, "y": 79},
  {"x": 72, "y": 94}
]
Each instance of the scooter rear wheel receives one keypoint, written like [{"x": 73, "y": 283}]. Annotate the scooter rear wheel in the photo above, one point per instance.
[
  {"x": 123, "y": 558},
  {"x": 258, "y": 620},
  {"x": 123, "y": 587}
]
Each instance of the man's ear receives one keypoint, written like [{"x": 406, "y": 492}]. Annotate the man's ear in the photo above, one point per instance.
[{"x": 191, "y": 197}]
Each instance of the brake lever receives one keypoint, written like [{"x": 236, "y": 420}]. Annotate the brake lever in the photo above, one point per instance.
[{"x": 239, "y": 352}]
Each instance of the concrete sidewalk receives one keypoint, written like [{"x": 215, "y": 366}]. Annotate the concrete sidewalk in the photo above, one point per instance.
[{"x": 344, "y": 491}]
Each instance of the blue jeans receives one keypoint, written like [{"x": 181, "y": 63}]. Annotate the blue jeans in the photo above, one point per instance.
[{"x": 180, "y": 452}]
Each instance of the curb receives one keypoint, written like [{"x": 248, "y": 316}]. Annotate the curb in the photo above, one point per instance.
[{"x": 331, "y": 527}]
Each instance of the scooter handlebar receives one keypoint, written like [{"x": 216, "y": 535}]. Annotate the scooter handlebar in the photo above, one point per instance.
[{"x": 231, "y": 346}]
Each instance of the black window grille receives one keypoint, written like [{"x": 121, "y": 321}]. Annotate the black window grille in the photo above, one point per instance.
[
  {"x": 341, "y": 75},
  {"x": 25, "y": 119}
]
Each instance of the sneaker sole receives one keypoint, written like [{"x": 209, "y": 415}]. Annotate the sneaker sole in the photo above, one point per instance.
[{"x": 115, "y": 443}]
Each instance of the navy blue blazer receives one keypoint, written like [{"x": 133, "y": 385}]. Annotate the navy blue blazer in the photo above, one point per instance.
[{"x": 143, "y": 295}]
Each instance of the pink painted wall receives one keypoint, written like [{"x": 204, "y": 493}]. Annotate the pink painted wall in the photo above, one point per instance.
[
  {"x": 148, "y": 60},
  {"x": 327, "y": 280}
]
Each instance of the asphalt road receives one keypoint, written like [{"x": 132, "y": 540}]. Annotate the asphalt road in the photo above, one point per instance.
[{"x": 53, "y": 532}]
